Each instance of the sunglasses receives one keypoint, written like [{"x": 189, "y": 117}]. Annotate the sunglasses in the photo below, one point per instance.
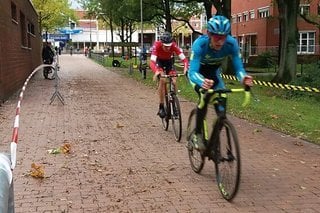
[{"x": 217, "y": 37}]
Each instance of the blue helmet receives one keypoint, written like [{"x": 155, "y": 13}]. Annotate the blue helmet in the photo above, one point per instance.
[{"x": 219, "y": 25}]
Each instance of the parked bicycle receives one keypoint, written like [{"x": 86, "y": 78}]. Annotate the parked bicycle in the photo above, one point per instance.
[
  {"x": 222, "y": 147},
  {"x": 172, "y": 107}
]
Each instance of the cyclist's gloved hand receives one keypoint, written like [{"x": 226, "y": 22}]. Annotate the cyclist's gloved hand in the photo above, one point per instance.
[
  {"x": 247, "y": 81},
  {"x": 157, "y": 73},
  {"x": 207, "y": 84}
]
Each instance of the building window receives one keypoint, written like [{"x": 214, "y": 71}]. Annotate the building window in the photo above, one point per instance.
[
  {"x": 306, "y": 43},
  {"x": 245, "y": 16},
  {"x": 264, "y": 12},
  {"x": 304, "y": 9},
  {"x": 319, "y": 9},
  {"x": 31, "y": 28},
  {"x": 239, "y": 17},
  {"x": 23, "y": 30},
  {"x": 240, "y": 42},
  {"x": 252, "y": 15},
  {"x": 253, "y": 45},
  {"x": 234, "y": 19},
  {"x": 31, "y": 33},
  {"x": 14, "y": 12}
]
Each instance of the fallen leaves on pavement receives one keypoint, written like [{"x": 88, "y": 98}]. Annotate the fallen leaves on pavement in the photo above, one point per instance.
[
  {"x": 65, "y": 148},
  {"x": 36, "y": 171}
]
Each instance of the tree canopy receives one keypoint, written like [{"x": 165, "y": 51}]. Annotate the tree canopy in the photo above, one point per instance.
[{"x": 53, "y": 14}]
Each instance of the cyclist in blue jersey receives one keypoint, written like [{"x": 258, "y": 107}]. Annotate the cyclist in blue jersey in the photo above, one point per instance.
[{"x": 208, "y": 53}]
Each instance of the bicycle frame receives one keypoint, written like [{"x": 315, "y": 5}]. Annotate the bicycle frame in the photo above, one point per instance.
[
  {"x": 223, "y": 145},
  {"x": 219, "y": 100},
  {"x": 170, "y": 83},
  {"x": 172, "y": 106}
]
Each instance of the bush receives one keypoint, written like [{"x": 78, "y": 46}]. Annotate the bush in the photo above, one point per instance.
[
  {"x": 264, "y": 60},
  {"x": 310, "y": 77}
]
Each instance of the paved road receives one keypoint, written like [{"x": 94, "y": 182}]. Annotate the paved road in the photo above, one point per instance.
[{"x": 122, "y": 161}]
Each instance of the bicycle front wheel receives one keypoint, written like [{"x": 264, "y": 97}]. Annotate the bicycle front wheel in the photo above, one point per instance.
[
  {"x": 176, "y": 117},
  {"x": 195, "y": 157},
  {"x": 227, "y": 159}
]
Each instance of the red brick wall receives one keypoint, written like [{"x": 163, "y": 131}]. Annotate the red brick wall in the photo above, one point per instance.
[
  {"x": 266, "y": 29},
  {"x": 17, "y": 61}
]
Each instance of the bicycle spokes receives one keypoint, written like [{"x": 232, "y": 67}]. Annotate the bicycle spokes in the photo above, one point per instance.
[
  {"x": 228, "y": 161},
  {"x": 176, "y": 117}
]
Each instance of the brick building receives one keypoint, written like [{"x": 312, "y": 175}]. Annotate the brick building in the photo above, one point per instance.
[
  {"x": 256, "y": 26},
  {"x": 20, "y": 44}
]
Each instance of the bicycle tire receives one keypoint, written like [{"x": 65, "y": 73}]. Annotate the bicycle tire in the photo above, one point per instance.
[
  {"x": 176, "y": 117},
  {"x": 48, "y": 73},
  {"x": 51, "y": 74},
  {"x": 165, "y": 120},
  {"x": 227, "y": 159},
  {"x": 45, "y": 73},
  {"x": 195, "y": 157}
]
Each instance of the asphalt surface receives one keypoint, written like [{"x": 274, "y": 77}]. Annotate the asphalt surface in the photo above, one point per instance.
[{"x": 121, "y": 160}]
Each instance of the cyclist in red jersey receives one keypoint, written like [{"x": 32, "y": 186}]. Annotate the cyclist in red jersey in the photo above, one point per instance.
[{"x": 161, "y": 63}]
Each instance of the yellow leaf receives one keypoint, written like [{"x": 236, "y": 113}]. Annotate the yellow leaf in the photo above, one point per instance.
[
  {"x": 65, "y": 148},
  {"x": 36, "y": 171}
]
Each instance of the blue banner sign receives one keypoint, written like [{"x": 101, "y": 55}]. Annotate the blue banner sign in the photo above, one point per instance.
[
  {"x": 58, "y": 37},
  {"x": 70, "y": 31}
]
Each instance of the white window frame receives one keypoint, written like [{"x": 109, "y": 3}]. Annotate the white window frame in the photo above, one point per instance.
[
  {"x": 304, "y": 9},
  {"x": 245, "y": 16},
  {"x": 234, "y": 19},
  {"x": 264, "y": 12},
  {"x": 310, "y": 46},
  {"x": 252, "y": 14},
  {"x": 239, "y": 17}
]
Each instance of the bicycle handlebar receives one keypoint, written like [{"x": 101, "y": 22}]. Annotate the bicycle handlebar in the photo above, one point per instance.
[
  {"x": 246, "y": 91},
  {"x": 171, "y": 76}
]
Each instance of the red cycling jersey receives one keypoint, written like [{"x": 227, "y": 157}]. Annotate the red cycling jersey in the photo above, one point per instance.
[{"x": 158, "y": 53}]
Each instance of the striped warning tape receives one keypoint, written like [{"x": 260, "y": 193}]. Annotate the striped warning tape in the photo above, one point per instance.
[{"x": 277, "y": 85}]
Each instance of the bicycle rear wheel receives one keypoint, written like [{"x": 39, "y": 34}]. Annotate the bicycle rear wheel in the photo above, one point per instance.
[
  {"x": 195, "y": 157},
  {"x": 227, "y": 159},
  {"x": 165, "y": 120},
  {"x": 48, "y": 73},
  {"x": 176, "y": 117}
]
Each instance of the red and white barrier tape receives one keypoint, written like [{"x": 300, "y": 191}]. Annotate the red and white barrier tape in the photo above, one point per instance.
[{"x": 14, "y": 142}]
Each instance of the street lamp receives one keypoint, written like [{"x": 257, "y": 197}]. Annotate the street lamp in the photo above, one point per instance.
[
  {"x": 90, "y": 35},
  {"x": 141, "y": 16}
]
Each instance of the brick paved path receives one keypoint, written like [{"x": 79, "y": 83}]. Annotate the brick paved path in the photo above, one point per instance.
[{"x": 122, "y": 161}]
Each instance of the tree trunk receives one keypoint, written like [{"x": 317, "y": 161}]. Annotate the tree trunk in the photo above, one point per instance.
[
  {"x": 223, "y": 7},
  {"x": 111, "y": 29},
  {"x": 208, "y": 8},
  {"x": 288, "y": 10},
  {"x": 168, "y": 15}
]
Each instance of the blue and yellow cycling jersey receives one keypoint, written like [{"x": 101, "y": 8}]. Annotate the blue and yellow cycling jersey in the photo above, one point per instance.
[{"x": 205, "y": 62}]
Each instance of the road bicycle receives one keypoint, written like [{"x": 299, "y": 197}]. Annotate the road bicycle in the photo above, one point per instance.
[
  {"x": 172, "y": 107},
  {"x": 222, "y": 147}
]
